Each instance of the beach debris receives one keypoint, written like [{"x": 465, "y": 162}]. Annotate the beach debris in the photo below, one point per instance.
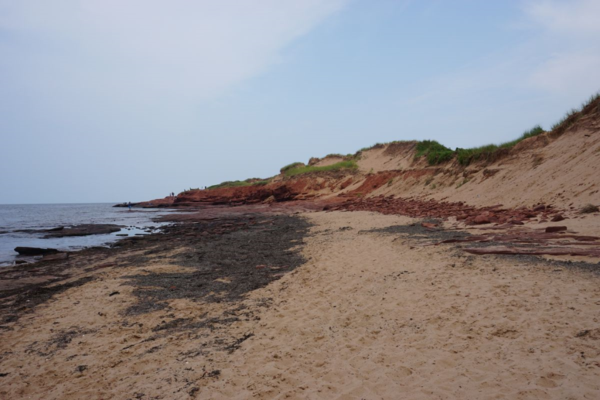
[
  {"x": 238, "y": 342},
  {"x": 593, "y": 334},
  {"x": 212, "y": 374},
  {"x": 552, "y": 229},
  {"x": 81, "y": 368},
  {"x": 114, "y": 293}
]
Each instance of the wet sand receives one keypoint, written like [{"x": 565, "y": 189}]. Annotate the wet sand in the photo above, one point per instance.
[{"x": 317, "y": 305}]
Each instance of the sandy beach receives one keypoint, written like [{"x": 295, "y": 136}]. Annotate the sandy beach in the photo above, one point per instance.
[{"x": 374, "y": 311}]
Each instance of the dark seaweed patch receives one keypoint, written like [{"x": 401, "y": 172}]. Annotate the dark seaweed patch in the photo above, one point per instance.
[
  {"x": 230, "y": 256},
  {"x": 26, "y": 299}
]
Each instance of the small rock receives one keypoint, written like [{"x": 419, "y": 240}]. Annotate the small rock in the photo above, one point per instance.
[
  {"x": 34, "y": 251},
  {"x": 481, "y": 219},
  {"x": 552, "y": 229}
]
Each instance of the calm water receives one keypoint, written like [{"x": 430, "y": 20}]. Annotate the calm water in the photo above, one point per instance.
[{"x": 46, "y": 216}]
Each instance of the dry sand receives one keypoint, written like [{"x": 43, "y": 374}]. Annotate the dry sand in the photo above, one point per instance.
[{"x": 370, "y": 316}]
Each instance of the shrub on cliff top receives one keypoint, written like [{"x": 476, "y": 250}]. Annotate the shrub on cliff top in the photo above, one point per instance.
[
  {"x": 435, "y": 152},
  {"x": 291, "y": 166},
  {"x": 305, "y": 169}
]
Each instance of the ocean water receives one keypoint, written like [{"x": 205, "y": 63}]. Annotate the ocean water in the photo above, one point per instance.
[{"x": 47, "y": 216}]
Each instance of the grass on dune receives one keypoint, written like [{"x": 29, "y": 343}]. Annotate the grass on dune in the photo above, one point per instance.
[
  {"x": 487, "y": 152},
  {"x": 247, "y": 182},
  {"x": 437, "y": 153},
  {"x": 573, "y": 115},
  {"x": 291, "y": 166},
  {"x": 305, "y": 169}
]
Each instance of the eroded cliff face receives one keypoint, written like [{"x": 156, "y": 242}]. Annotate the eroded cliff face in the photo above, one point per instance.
[{"x": 561, "y": 168}]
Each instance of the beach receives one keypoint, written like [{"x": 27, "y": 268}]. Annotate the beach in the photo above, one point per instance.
[
  {"x": 322, "y": 200},
  {"x": 341, "y": 305}
]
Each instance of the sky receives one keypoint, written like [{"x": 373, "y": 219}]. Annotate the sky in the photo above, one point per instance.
[{"x": 112, "y": 101}]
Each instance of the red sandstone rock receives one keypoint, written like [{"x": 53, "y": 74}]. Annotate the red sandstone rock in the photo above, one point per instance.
[
  {"x": 557, "y": 218},
  {"x": 481, "y": 219}
]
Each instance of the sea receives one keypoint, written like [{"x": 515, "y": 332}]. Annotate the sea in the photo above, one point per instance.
[{"x": 14, "y": 218}]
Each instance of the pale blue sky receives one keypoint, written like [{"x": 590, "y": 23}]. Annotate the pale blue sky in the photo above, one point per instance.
[{"x": 127, "y": 101}]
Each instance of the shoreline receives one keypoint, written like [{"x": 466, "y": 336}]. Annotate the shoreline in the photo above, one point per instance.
[
  {"x": 317, "y": 304},
  {"x": 58, "y": 227}
]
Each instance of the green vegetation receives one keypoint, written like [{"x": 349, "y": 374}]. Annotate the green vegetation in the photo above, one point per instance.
[
  {"x": 435, "y": 152},
  {"x": 375, "y": 146},
  {"x": 535, "y": 131},
  {"x": 247, "y": 182},
  {"x": 466, "y": 156},
  {"x": 300, "y": 168},
  {"x": 488, "y": 152},
  {"x": 291, "y": 166},
  {"x": 588, "y": 209},
  {"x": 572, "y": 116},
  {"x": 566, "y": 121}
]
